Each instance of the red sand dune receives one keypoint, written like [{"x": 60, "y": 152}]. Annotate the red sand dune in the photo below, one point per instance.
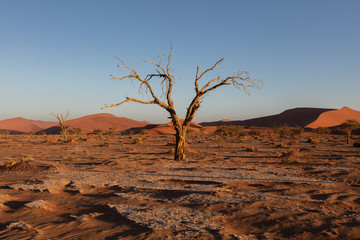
[
  {"x": 335, "y": 118},
  {"x": 24, "y": 125},
  {"x": 104, "y": 121},
  {"x": 293, "y": 117},
  {"x": 89, "y": 123}
]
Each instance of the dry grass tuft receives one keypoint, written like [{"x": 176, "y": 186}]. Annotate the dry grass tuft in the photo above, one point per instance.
[
  {"x": 138, "y": 141},
  {"x": 290, "y": 157},
  {"x": 53, "y": 141},
  {"x": 312, "y": 141},
  {"x": 290, "y": 154},
  {"x": 26, "y": 158},
  {"x": 251, "y": 149},
  {"x": 10, "y": 164},
  {"x": 283, "y": 145}
]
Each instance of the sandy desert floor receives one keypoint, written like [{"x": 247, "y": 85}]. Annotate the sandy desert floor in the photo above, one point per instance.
[{"x": 122, "y": 188}]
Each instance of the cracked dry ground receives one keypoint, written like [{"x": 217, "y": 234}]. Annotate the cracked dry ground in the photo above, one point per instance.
[{"x": 111, "y": 188}]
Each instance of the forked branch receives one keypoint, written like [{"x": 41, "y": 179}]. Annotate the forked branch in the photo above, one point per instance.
[
  {"x": 128, "y": 99},
  {"x": 241, "y": 80},
  {"x": 145, "y": 86}
]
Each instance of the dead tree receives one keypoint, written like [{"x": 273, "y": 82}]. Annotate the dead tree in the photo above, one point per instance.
[
  {"x": 62, "y": 123},
  {"x": 240, "y": 80},
  {"x": 348, "y": 126}
]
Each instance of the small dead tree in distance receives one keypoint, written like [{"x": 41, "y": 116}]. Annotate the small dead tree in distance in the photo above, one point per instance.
[
  {"x": 62, "y": 122},
  {"x": 348, "y": 126},
  {"x": 240, "y": 80}
]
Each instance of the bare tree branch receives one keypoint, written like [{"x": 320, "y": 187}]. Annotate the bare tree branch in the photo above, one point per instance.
[
  {"x": 210, "y": 69},
  {"x": 236, "y": 80},
  {"x": 196, "y": 80},
  {"x": 144, "y": 84},
  {"x": 168, "y": 79},
  {"x": 128, "y": 99}
]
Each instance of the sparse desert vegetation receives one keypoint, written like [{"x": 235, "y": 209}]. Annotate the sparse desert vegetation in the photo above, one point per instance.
[
  {"x": 102, "y": 138},
  {"x": 236, "y": 183}
]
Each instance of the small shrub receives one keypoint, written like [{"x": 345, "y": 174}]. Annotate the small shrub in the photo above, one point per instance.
[
  {"x": 112, "y": 132},
  {"x": 77, "y": 132},
  {"x": 5, "y": 133},
  {"x": 322, "y": 130},
  {"x": 137, "y": 141},
  {"x": 10, "y": 163},
  {"x": 251, "y": 149},
  {"x": 297, "y": 132},
  {"x": 255, "y": 132},
  {"x": 53, "y": 141},
  {"x": 243, "y": 137},
  {"x": 87, "y": 139},
  {"x": 283, "y": 132},
  {"x": 71, "y": 141},
  {"x": 105, "y": 144},
  {"x": 98, "y": 132},
  {"x": 290, "y": 157},
  {"x": 228, "y": 132},
  {"x": 67, "y": 157},
  {"x": 26, "y": 158},
  {"x": 170, "y": 144},
  {"x": 289, "y": 160},
  {"x": 348, "y": 127},
  {"x": 325, "y": 162},
  {"x": 283, "y": 145},
  {"x": 144, "y": 132},
  {"x": 312, "y": 141},
  {"x": 291, "y": 153}
]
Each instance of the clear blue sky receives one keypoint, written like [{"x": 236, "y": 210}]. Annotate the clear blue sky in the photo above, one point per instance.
[{"x": 56, "y": 56}]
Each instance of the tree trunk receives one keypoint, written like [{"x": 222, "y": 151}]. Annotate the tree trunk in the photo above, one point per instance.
[
  {"x": 180, "y": 145},
  {"x": 348, "y": 138}
]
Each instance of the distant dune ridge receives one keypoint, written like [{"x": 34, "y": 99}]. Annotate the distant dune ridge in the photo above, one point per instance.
[
  {"x": 298, "y": 117},
  {"x": 88, "y": 123},
  {"x": 293, "y": 117},
  {"x": 23, "y": 125},
  {"x": 103, "y": 121},
  {"x": 302, "y": 117}
]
